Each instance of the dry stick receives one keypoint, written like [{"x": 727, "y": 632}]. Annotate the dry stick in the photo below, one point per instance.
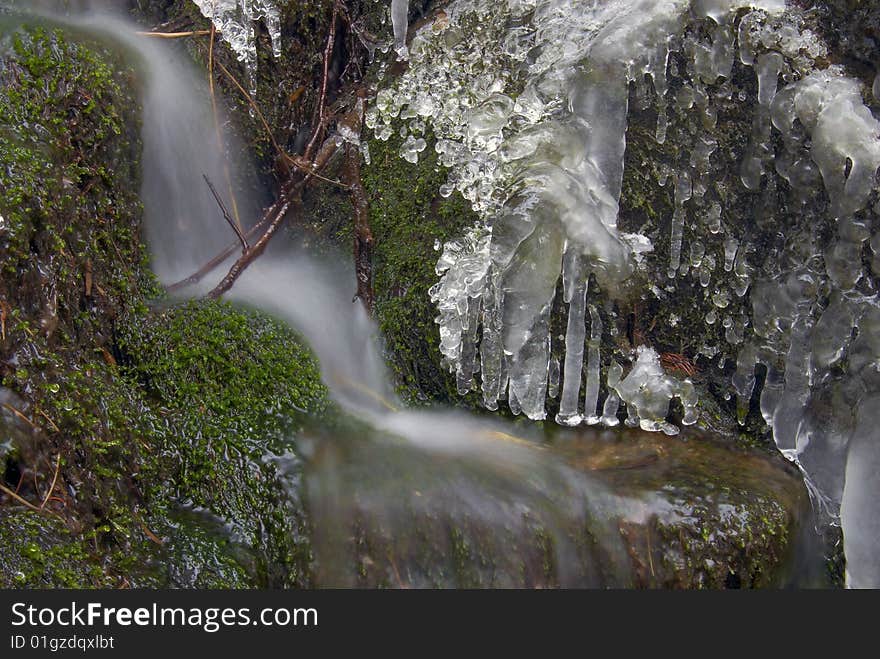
[
  {"x": 290, "y": 193},
  {"x": 21, "y": 416},
  {"x": 226, "y": 216},
  {"x": 199, "y": 274},
  {"x": 296, "y": 162},
  {"x": 175, "y": 35},
  {"x": 276, "y": 213},
  {"x": 328, "y": 53},
  {"x": 27, "y": 503},
  {"x": 54, "y": 480},
  {"x": 255, "y": 108},
  {"x": 51, "y": 422},
  {"x": 283, "y": 205},
  {"x": 217, "y": 131}
]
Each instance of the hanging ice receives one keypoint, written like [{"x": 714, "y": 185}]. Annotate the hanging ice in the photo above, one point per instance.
[
  {"x": 400, "y": 22},
  {"x": 235, "y": 19},
  {"x": 545, "y": 170},
  {"x": 647, "y": 390}
]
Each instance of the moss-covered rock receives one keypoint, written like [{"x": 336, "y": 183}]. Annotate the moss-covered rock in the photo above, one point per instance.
[
  {"x": 409, "y": 218},
  {"x": 230, "y": 388},
  {"x": 72, "y": 262},
  {"x": 38, "y": 551},
  {"x": 165, "y": 425}
]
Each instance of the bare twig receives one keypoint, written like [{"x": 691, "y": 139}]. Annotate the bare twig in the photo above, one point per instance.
[
  {"x": 54, "y": 480},
  {"x": 273, "y": 218},
  {"x": 280, "y": 208},
  {"x": 256, "y": 108},
  {"x": 219, "y": 135},
  {"x": 49, "y": 419},
  {"x": 363, "y": 236},
  {"x": 328, "y": 54},
  {"x": 215, "y": 262},
  {"x": 175, "y": 35},
  {"x": 232, "y": 223},
  {"x": 27, "y": 503},
  {"x": 299, "y": 163},
  {"x": 21, "y": 416},
  {"x": 325, "y": 153}
]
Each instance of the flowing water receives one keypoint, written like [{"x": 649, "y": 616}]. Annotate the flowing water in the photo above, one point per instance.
[{"x": 545, "y": 171}]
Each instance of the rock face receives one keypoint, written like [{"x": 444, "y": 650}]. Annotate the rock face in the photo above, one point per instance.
[{"x": 611, "y": 509}]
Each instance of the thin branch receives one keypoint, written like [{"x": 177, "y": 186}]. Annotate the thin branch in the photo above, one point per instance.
[
  {"x": 21, "y": 416},
  {"x": 27, "y": 503},
  {"x": 255, "y": 108},
  {"x": 285, "y": 200},
  {"x": 175, "y": 35},
  {"x": 215, "y": 262},
  {"x": 218, "y": 133},
  {"x": 54, "y": 480},
  {"x": 232, "y": 223},
  {"x": 326, "y": 152},
  {"x": 274, "y": 218},
  {"x": 49, "y": 419},
  {"x": 295, "y": 161},
  {"x": 328, "y": 54},
  {"x": 363, "y": 236}
]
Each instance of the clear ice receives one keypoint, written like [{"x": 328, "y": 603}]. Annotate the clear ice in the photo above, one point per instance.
[
  {"x": 234, "y": 20},
  {"x": 529, "y": 101}
]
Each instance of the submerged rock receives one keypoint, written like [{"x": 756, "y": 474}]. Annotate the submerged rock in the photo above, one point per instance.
[{"x": 606, "y": 509}]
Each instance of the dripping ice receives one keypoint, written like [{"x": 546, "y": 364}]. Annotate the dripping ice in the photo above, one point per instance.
[
  {"x": 235, "y": 21},
  {"x": 543, "y": 168}
]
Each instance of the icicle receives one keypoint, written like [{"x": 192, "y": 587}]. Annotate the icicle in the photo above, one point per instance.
[
  {"x": 683, "y": 192},
  {"x": 591, "y": 393},
  {"x": 400, "y": 23},
  {"x": 612, "y": 402},
  {"x": 234, "y": 20},
  {"x": 575, "y": 337},
  {"x": 609, "y": 410},
  {"x": 769, "y": 66},
  {"x": 744, "y": 381},
  {"x": 731, "y": 245},
  {"x": 553, "y": 378}
]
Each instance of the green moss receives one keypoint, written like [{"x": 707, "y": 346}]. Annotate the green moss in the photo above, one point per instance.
[
  {"x": 37, "y": 551},
  {"x": 231, "y": 387},
  {"x": 72, "y": 262},
  {"x": 407, "y": 217},
  {"x": 244, "y": 373},
  {"x": 148, "y": 414}
]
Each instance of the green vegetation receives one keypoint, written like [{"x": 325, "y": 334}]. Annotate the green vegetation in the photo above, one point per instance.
[
  {"x": 149, "y": 414},
  {"x": 407, "y": 216}
]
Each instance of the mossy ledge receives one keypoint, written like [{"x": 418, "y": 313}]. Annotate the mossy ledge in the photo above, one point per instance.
[{"x": 161, "y": 419}]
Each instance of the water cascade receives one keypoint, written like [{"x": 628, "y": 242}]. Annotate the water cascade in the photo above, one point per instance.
[{"x": 534, "y": 134}]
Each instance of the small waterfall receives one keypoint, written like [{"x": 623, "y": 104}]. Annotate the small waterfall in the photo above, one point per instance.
[
  {"x": 561, "y": 220},
  {"x": 182, "y": 146}
]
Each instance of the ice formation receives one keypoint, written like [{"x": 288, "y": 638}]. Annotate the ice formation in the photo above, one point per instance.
[
  {"x": 529, "y": 102},
  {"x": 235, "y": 20},
  {"x": 399, "y": 23},
  {"x": 544, "y": 168}
]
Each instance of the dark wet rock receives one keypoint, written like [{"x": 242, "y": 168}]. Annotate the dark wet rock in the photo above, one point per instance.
[{"x": 613, "y": 509}]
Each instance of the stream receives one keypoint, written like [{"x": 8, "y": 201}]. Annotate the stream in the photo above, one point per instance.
[{"x": 426, "y": 497}]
